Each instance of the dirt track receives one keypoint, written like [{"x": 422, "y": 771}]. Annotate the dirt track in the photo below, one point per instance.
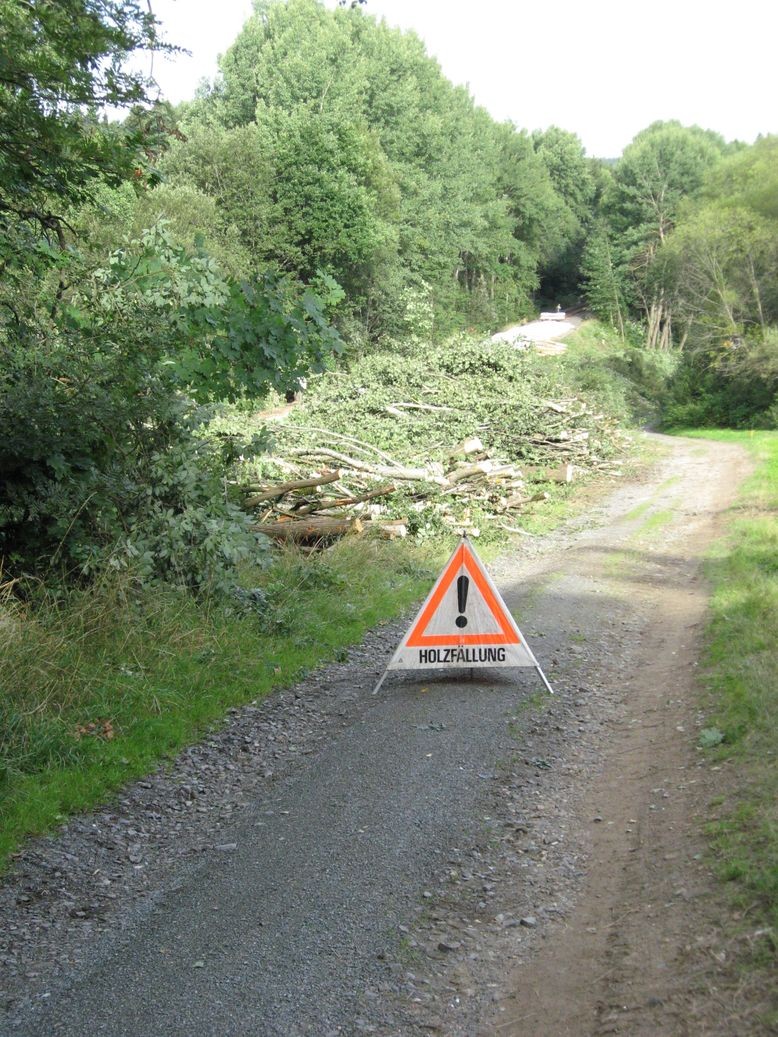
[{"x": 460, "y": 857}]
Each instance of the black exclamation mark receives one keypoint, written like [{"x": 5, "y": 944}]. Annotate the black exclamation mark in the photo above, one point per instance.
[{"x": 463, "y": 584}]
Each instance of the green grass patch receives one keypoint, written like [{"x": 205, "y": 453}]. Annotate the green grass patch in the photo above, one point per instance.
[
  {"x": 654, "y": 522},
  {"x": 99, "y": 686},
  {"x": 742, "y": 679},
  {"x": 528, "y": 707},
  {"x": 545, "y": 516},
  {"x": 618, "y": 562},
  {"x": 637, "y": 512},
  {"x": 595, "y": 337}
]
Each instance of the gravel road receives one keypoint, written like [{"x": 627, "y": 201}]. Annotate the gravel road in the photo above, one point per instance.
[{"x": 431, "y": 859}]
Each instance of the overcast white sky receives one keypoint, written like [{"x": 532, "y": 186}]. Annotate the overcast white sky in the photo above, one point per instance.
[{"x": 604, "y": 69}]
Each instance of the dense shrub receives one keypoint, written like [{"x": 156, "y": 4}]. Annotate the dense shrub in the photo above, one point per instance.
[
  {"x": 734, "y": 385},
  {"x": 99, "y": 456}
]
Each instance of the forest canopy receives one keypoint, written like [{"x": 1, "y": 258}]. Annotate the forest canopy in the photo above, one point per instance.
[
  {"x": 685, "y": 247},
  {"x": 333, "y": 142}
]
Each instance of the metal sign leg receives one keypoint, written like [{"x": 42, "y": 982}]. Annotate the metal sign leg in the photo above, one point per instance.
[
  {"x": 377, "y": 688},
  {"x": 543, "y": 678}
]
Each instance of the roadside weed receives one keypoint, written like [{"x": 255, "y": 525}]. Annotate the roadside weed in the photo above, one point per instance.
[{"x": 742, "y": 682}]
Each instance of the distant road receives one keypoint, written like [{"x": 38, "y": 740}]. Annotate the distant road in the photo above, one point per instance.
[{"x": 544, "y": 334}]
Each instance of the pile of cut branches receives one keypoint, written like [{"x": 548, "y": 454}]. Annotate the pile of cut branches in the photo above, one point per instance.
[{"x": 469, "y": 433}]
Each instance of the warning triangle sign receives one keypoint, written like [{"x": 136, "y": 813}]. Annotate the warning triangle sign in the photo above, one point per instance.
[{"x": 463, "y": 623}]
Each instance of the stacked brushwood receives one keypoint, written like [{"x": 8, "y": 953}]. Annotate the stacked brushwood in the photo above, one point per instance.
[
  {"x": 336, "y": 492},
  {"x": 324, "y": 481}
]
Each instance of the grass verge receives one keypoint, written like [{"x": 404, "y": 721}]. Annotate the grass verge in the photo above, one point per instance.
[
  {"x": 742, "y": 680},
  {"x": 629, "y": 380},
  {"x": 99, "y": 686}
]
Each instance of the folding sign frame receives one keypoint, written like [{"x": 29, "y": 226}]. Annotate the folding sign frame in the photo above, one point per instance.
[{"x": 464, "y": 622}]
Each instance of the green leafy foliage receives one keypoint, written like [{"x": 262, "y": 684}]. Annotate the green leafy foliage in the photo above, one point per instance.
[
  {"x": 107, "y": 351},
  {"x": 469, "y": 388},
  {"x": 617, "y": 371},
  {"x": 710, "y": 737},
  {"x": 98, "y": 409},
  {"x": 664, "y": 166},
  {"x": 61, "y": 63},
  {"x": 730, "y": 385},
  {"x": 575, "y": 183},
  {"x": 182, "y": 530},
  {"x": 605, "y": 279},
  {"x": 333, "y": 142},
  {"x": 721, "y": 265},
  {"x": 685, "y": 242}
]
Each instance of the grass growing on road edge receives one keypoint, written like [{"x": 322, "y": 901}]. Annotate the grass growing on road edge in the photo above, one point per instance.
[
  {"x": 742, "y": 677},
  {"x": 99, "y": 686}
]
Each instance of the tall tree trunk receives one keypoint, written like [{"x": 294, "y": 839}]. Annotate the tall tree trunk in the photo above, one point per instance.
[
  {"x": 652, "y": 331},
  {"x": 666, "y": 339},
  {"x": 757, "y": 293}
]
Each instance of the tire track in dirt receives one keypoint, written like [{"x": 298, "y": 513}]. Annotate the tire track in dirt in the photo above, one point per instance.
[{"x": 616, "y": 966}]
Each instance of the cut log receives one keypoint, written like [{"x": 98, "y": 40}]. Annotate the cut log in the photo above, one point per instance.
[
  {"x": 566, "y": 407},
  {"x": 313, "y": 528},
  {"x": 520, "y": 500},
  {"x": 515, "y": 529},
  {"x": 318, "y": 527},
  {"x": 506, "y": 471},
  {"x": 563, "y": 438},
  {"x": 328, "y": 434},
  {"x": 562, "y": 474},
  {"x": 479, "y": 468},
  {"x": 389, "y": 529},
  {"x": 270, "y": 492},
  {"x": 472, "y": 445}
]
